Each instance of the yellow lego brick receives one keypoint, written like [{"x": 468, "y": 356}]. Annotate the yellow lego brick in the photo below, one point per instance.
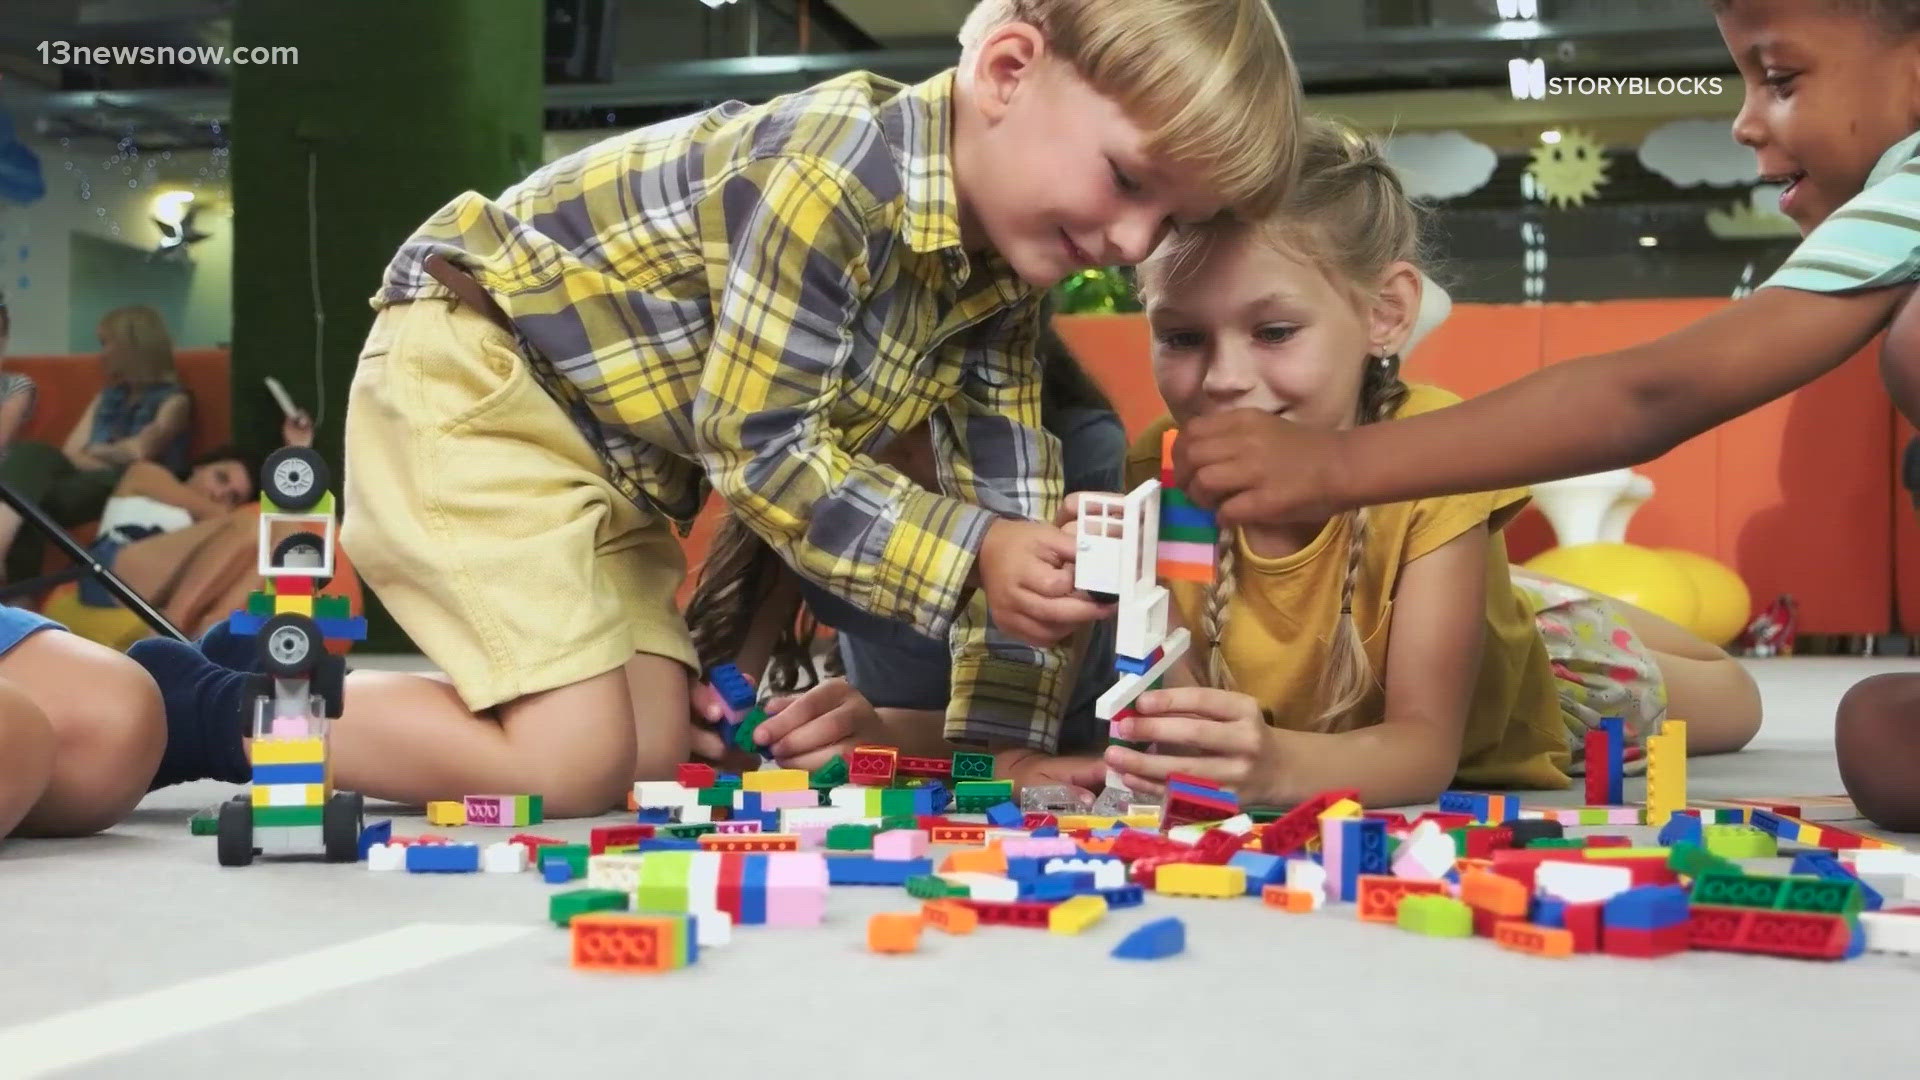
[
  {"x": 1142, "y": 820},
  {"x": 1625, "y": 852},
  {"x": 302, "y": 605},
  {"x": 447, "y": 812},
  {"x": 774, "y": 780},
  {"x": 1343, "y": 809},
  {"x": 286, "y": 751},
  {"x": 1666, "y": 772},
  {"x": 1194, "y": 879},
  {"x": 281, "y": 795},
  {"x": 1070, "y": 822},
  {"x": 1075, "y": 914}
]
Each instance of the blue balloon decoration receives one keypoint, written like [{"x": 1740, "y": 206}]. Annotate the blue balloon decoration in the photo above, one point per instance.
[{"x": 20, "y": 177}]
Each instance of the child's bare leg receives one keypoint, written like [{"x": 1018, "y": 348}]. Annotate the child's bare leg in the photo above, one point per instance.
[
  {"x": 153, "y": 566},
  {"x": 1712, "y": 691},
  {"x": 26, "y": 755},
  {"x": 1877, "y": 738},
  {"x": 108, "y": 736},
  {"x": 409, "y": 738},
  {"x": 219, "y": 576}
]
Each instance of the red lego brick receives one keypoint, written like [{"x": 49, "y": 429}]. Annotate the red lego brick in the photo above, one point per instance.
[
  {"x": 1484, "y": 840},
  {"x": 1447, "y": 822},
  {"x": 1038, "y": 820},
  {"x": 1395, "y": 822},
  {"x": 727, "y": 893},
  {"x": 693, "y": 774},
  {"x": 1217, "y": 847},
  {"x": 1379, "y": 895},
  {"x": 1485, "y": 922},
  {"x": 292, "y": 585},
  {"x": 1607, "y": 841},
  {"x": 939, "y": 768},
  {"x": 1145, "y": 872},
  {"x": 1801, "y": 934},
  {"x": 872, "y": 766},
  {"x": 1584, "y": 921},
  {"x": 1288, "y": 834},
  {"x": 958, "y": 834},
  {"x": 606, "y": 836},
  {"x": 1596, "y": 748},
  {"x": 533, "y": 844},
  {"x": 1133, "y": 844},
  {"x": 1645, "y": 944},
  {"x": 1646, "y": 869},
  {"x": 1011, "y": 912}
]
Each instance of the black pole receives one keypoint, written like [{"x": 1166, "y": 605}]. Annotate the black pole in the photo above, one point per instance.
[{"x": 135, "y": 603}]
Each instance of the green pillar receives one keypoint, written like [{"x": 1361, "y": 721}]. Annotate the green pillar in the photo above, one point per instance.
[{"x": 391, "y": 110}]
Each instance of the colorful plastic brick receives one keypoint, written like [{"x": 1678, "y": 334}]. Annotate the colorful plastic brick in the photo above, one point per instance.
[
  {"x": 1156, "y": 940},
  {"x": 1739, "y": 842},
  {"x": 446, "y": 812},
  {"x": 1800, "y": 934},
  {"x": 1666, "y": 772},
  {"x": 972, "y": 766},
  {"x": 1193, "y": 879},
  {"x": 774, "y": 780},
  {"x": 609, "y": 941},
  {"x": 562, "y": 907},
  {"x": 1648, "y": 907},
  {"x": 1290, "y": 899},
  {"x": 1379, "y": 896},
  {"x": 1533, "y": 940},
  {"x": 1074, "y": 915},
  {"x": 1004, "y": 815},
  {"x": 893, "y": 932},
  {"x": 949, "y": 917},
  {"x": 1436, "y": 916},
  {"x": 1821, "y": 864}
]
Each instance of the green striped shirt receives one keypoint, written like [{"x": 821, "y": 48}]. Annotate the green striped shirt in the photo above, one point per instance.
[{"x": 1871, "y": 242}]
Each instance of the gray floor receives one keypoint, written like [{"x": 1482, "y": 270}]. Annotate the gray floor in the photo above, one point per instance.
[{"x": 112, "y": 952}]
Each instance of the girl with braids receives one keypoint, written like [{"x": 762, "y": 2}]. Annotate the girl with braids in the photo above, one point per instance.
[
  {"x": 882, "y": 681},
  {"x": 1390, "y": 649}
]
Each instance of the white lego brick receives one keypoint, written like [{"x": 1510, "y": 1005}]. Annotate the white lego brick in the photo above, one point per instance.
[
  {"x": 712, "y": 928},
  {"x": 703, "y": 880},
  {"x": 650, "y": 794},
  {"x": 1890, "y": 933},
  {"x": 387, "y": 857},
  {"x": 986, "y": 886},
  {"x": 1580, "y": 882},
  {"x": 1127, "y": 687},
  {"x": 621, "y": 872},
  {"x": 503, "y": 858},
  {"x": 850, "y": 797},
  {"x": 696, "y": 814},
  {"x": 819, "y": 815},
  {"x": 1310, "y": 876},
  {"x": 289, "y": 840},
  {"x": 1425, "y": 855},
  {"x": 1238, "y": 825},
  {"x": 286, "y": 795},
  {"x": 1107, "y": 873},
  {"x": 1882, "y": 861}
]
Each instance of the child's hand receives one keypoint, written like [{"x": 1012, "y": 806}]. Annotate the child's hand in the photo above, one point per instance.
[
  {"x": 806, "y": 730},
  {"x": 707, "y": 711},
  {"x": 1026, "y": 570},
  {"x": 1253, "y": 468},
  {"x": 1216, "y": 735},
  {"x": 1031, "y": 768},
  {"x": 297, "y": 430}
]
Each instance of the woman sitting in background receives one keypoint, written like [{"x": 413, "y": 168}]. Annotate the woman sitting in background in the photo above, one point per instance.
[
  {"x": 142, "y": 415},
  {"x": 16, "y": 390}
]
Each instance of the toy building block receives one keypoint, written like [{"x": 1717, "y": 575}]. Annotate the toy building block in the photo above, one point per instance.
[
  {"x": 1350, "y": 847},
  {"x": 991, "y": 887},
  {"x": 1805, "y": 807},
  {"x": 1738, "y": 842},
  {"x": 894, "y": 932},
  {"x": 1076, "y": 914},
  {"x": 1290, "y": 899},
  {"x": 609, "y": 941},
  {"x": 970, "y": 765},
  {"x": 1005, "y": 815},
  {"x": 1494, "y": 893},
  {"x": 1666, "y": 772},
  {"x": 1821, "y": 864},
  {"x": 900, "y": 844},
  {"x": 443, "y": 859},
  {"x": 503, "y": 858},
  {"x": 1028, "y": 913},
  {"x": 515, "y": 810},
  {"x": 1435, "y": 915},
  {"x": 1534, "y": 940},
  {"x": 976, "y": 796},
  {"x": 873, "y": 765},
  {"x": 1801, "y": 934},
  {"x": 386, "y": 857},
  {"x": 694, "y": 774},
  {"x": 1190, "y": 879},
  {"x": 1647, "y": 907},
  {"x": 1190, "y": 799},
  {"x": 866, "y": 870},
  {"x": 1891, "y": 932},
  {"x": 1156, "y": 940},
  {"x": 735, "y": 690},
  {"x": 775, "y": 780},
  {"x": 1815, "y": 895},
  {"x": 949, "y": 917},
  {"x": 1379, "y": 896},
  {"x": 562, "y": 907},
  {"x": 605, "y": 838},
  {"x": 1582, "y": 882}
]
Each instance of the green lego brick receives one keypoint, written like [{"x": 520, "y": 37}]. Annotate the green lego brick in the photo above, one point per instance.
[
  {"x": 933, "y": 887},
  {"x": 575, "y": 855},
  {"x": 1264, "y": 814},
  {"x": 1435, "y": 916},
  {"x": 1816, "y": 895},
  {"x": 1739, "y": 842},
  {"x": 260, "y": 603},
  {"x": 717, "y": 796},
  {"x": 895, "y": 802},
  {"x": 1173, "y": 496},
  {"x": 206, "y": 822},
  {"x": 1459, "y": 841},
  {"x": 1731, "y": 890},
  {"x": 269, "y": 817},
  {"x": 1690, "y": 859},
  {"x": 332, "y": 607},
  {"x": 1822, "y": 896},
  {"x": 984, "y": 789},
  {"x": 664, "y": 882},
  {"x": 1556, "y": 842},
  {"x": 1189, "y": 534},
  {"x": 850, "y": 837},
  {"x": 536, "y": 809},
  {"x": 563, "y": 906},
  {"x": 899, "y": 821},
  {"x": 830, "y": 775},
  {"x": 972, "y": 766},
  {"x": 743, "y": 735},
  {"x": 691, "y": 830}
]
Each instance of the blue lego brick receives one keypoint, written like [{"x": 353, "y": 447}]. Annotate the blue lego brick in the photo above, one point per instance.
[
  {"x": 1681, "y": 827},
  {"x": 1773, "y": 824},
  {"x": 1052, "y": 887},
  {"x": 1262, "y": 869},
  {"x": 1153, "y": 941},
  {"x": 692, "y": 934},
  {"x": 937, "y": 795},
  {"x": 1615, "y": 727},
  {"x": 753, "y": 891},
  {"x": 1372, "y": 847},
  {"x": 353, "y": 629},
  {"x": 866, "y": 870},
  {"x": 306, "y": 772},
  {"x": 1186, "y": 517},
  {"x": 654, "y": 815},
  {"x": 1124, "y": 896},
  {"x": 1856, "y": 942},
  {"x": 1026, "y": 868},
  {"x": 1821, "y": 864},
  {"x": 749, "y": 803},
  {"x": 726, "y": 778},
  {"x": 1127, "y": 665},
  {"x": 1647, "y": 907},
  {"x": 1465, "y": 802},
  {"x": 733, "y": 687},
  {"x": 556, "y": 871},
  {"x": 443, "y": 858},
  {"x": 1045, "y": 831},
  {"x": 1549, "y": 911},
  {"x": 666, "y": 843},
  {"x": 1005, "y": 815},
  {"x": 377, "y": 833},
  {"x": 241, "y": 624},
  {"x": 1201, "y": 791}
]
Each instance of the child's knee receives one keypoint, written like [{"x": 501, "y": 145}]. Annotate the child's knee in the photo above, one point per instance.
[
  {"x": 117, "y": 733},
  {"x": 1877, "y": 741},
  {"x": 26, "y": 754}
]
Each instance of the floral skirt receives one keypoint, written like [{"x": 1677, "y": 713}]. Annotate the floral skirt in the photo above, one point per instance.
[{"x": 1602, "y": 667}]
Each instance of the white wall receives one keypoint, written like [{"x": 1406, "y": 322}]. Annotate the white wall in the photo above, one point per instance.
[{"x": 40, "y": 308}]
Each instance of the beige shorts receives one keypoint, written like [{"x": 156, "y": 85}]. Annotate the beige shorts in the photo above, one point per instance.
[{"x": 484, "y": 521}]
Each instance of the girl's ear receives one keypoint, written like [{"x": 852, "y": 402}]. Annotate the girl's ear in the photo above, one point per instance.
[{"x": 1397, "y": 309}]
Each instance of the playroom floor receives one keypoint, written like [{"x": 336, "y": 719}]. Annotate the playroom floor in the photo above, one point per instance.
[{"x": 133, "y": 955}]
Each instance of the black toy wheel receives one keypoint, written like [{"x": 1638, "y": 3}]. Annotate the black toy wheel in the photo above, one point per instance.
[
  {"x": 302, "y": 550},
  {"x": 340, "y": 826},
  {"x": 328, "y": 683},
  {"x": 235, "y": 838},
  {"x": 290, "y": 645},
  {"x": 295, "y": 478}
]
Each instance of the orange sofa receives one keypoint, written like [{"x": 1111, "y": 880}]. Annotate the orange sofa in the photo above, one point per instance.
[
  {"x": 66, "y": 384},
  {"x": 1799, "y": 497}
]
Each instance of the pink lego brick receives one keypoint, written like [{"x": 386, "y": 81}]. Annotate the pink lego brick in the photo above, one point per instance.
[
  {"x": 728, "y": 828},
  {"x": 795, "y": 906},
  {"x": 291, "y": 727},
  {"x": 812, "y": 837},
  {"x": 898, "y": 845},
  {"x": 803, "y": 869},
  {"x": 1044, "y": 847},
  {"x": 1185, "y": 551},
  {"x": 785, "y": 800}
]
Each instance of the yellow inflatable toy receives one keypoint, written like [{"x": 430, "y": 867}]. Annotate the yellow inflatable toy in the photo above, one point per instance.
[
  {"x": 1725, "y": 605},
  {"x": 1683, "y": 587}
]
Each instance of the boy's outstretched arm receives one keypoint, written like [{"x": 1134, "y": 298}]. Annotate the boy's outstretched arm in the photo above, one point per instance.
[{"x": 1600, "y": 412}]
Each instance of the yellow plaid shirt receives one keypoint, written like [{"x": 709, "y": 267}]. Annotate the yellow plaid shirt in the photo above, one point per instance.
[{"x": 762, "y": 297}]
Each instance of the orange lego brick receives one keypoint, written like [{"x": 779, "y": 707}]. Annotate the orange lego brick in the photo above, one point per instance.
[
  {"x": 1180, "y": 571},
  {"x": 749, "y": 842},
  {"x": 1463, "y": 865},
  {"x": 894, "y": 932},
  {"x": 1380, "y": 895},
  {"x": 949, "y": 916},
  {"x": 610, "y": 941},
  {"x": 1097, "y": 845},
  {"x": 987, "y": 860},
  {"x": 1494, "y": 893},
  {"x": 1554, "y": 941},
  {"x": 1297, "y": 901}
]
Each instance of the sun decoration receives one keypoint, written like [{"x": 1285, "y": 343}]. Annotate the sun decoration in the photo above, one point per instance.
[{"x": 1570, "y": 171}]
